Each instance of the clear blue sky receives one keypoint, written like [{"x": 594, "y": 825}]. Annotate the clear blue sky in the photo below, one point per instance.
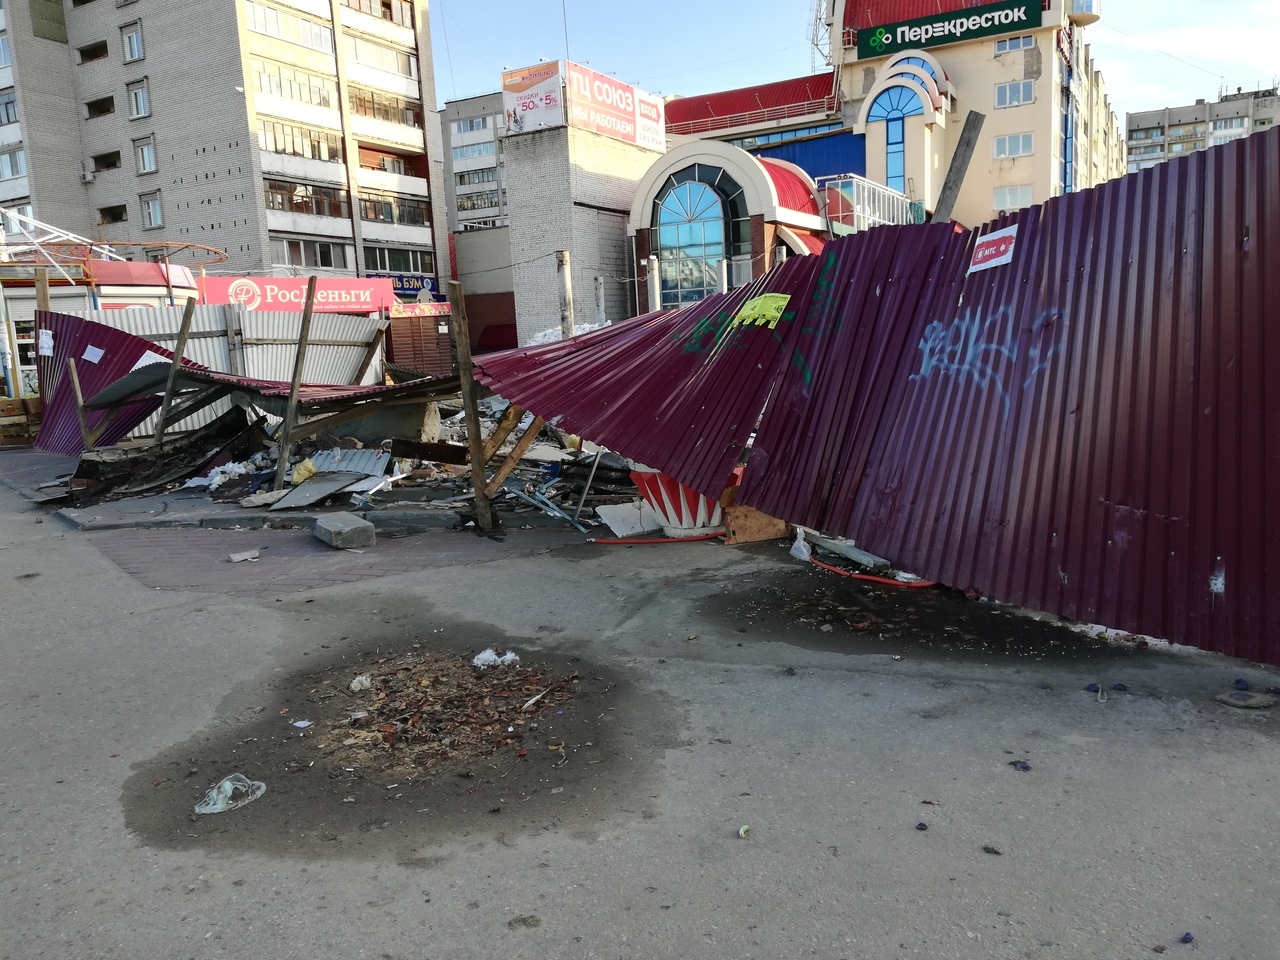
[{"x": 1154, "y": 53}]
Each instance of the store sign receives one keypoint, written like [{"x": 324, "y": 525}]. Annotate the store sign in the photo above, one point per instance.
[
  {"x": 1011, "y": 16},
  {"x": 420, "y": 310},
  {"x": 994, "y": 250},
  {"x": 615, "y": 109},
  {"x": 408, "y": 285},
  {"x": 533, "y": 97},
  {"x": 333, "y": 294}
]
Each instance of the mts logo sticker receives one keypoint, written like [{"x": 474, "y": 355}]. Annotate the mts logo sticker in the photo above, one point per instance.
[{"x": 994, "y": 250}]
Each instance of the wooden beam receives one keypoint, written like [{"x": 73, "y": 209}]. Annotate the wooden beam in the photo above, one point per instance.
[
  {"x": 369, "y": 354},
  {"x": 510, "y": 420},
  {"x": 233, "y": 313},
  {"x": 75, "y": 387},
  {"x": 485, "y": 519},
  {"x": 195, "y": 403},
  {"x": 965, "y": 145},
  {"x": 183, "y": 332},
  {"x": 509, "y": 464},
  {"x": 42, "y": 303},
  {"x": 291, "y": 412}
]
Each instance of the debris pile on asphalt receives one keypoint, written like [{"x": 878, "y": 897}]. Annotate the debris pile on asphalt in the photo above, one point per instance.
[{"x": 437, "y": 709}]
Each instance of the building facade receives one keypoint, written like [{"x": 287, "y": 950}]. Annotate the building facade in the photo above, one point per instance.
[
  {"x": 904, "y": 76},
  {"x": 294, "y": 138},
  {"x": 475, "y": 180},
  {"x": 1157, "y": 135}
]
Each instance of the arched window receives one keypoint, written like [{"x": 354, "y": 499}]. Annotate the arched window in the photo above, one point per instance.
[
  {"x": 893, "y": 106},
  {"x": 699, "y": 219},
  {"x": 920, "y": 62}
]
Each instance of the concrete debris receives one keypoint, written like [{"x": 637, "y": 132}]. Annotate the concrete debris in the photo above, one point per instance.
[
  {"x": 251, "y": 555},
  {"x": 343, "y": 531},
  {"x": 263, "y": 498}
]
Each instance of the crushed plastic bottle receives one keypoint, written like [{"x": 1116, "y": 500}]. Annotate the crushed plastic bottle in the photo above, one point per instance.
[{"x": 231, "y": 794}]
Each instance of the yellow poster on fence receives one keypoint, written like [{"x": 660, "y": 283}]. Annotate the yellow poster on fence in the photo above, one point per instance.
[{"x": 763, "y": 311}]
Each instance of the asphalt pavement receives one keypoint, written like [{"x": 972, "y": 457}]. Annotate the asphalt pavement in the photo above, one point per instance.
[{"x": 130, "y": 681}]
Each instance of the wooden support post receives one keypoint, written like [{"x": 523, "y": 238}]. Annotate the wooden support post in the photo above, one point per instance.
[
  {"x": 75, "y": 387},
  {"x": 291, "y": 412},
  {"x": 369, "y": 354},
  {"x": 965, "y": 146},
  {"x": 510, "y": 420},
  {"x": 235, "y": 337},
  {"x": 42, "y": 303},
  {"x": 470, "y": 406},
  {"x": 11, "y": 341},
  {"x": 514, "y": 456},
  {"x": 183, "y": 332}
]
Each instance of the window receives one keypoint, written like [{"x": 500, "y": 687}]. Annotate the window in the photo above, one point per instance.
[
  {"x": 1010, "y": 44},
  {"x": 116, "y": 214},
  {"x": 397, "y": 11},
  {"x": 13, "y": 163},
  {"x": 9, "y": 109},
  {"x": 106, "y": 161},
  {"x": 700, "y": 219},
  {"x": 384, "y": 106},
  {"x": 478, "y": 201},
  {"x": 287, "y": 26},
  {"x": 152, "y": 215},
  {"x": 93, "y": 51},
  {"x": 309, "y": 253},
  {"x": 472, "y": 150},
  {"x": 398, "y": 260},
  {"x": 892, "y": 107},
  {"x": 131, "y": 38},
  {"x": 139, "y": 100},
  {"x": 4, "y": 50},
  {"x": 471, "y": 125},
  {"x": 763, "y": 139},
  {"x": 1013, "y": 198},
  {"x": 1229, "y": 123},
  {"x": 306, "y": 198},
  {"x": 1014, "y": 145},
  {"x": 1015, "y": 94},
  {"x": 487, "y": 175},
  {"x": 388, "y": 208},
  {"x": 298, "y": 141},
  {"x": 144, "y": 154},
  {"x": 298, "y": 85},
  {"x": 11, "y": 224},
  {"x": 382, "y": 57}
]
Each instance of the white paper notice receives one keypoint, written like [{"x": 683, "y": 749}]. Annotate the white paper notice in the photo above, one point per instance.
[
  {"x": 45, "y": 343},
  {"x": 93, "y": 354}
]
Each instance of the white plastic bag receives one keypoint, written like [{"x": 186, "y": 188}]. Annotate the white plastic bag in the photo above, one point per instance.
[{"x": 801, "y": 549}]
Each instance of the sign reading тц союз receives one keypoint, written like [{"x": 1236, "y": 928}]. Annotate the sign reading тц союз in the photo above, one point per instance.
[{"x": 1010, "y": 16}]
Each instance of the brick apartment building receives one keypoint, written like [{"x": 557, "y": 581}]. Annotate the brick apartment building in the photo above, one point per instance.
[{"x": 290, "y": 133}]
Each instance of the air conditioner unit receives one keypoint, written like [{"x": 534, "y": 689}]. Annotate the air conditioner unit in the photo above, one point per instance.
[{"x": 86, "y": 178}]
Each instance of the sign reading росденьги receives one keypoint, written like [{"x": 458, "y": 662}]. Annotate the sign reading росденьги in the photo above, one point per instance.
[{"x": 975, "y": 23}]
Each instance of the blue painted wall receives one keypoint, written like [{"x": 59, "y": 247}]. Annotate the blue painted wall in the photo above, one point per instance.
[{"x": 822, "y": 156}]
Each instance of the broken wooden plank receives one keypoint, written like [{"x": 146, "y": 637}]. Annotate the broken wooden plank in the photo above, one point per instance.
[
  {"x": 510, "y": 420},
  {"x": 509, "y": 464}
]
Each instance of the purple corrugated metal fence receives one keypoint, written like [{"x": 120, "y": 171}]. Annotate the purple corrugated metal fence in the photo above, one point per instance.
[{"x": 1089, "y": 430}]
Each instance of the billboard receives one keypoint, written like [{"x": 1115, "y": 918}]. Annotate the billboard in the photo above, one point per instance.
[
  {"x": 973, "y": 23},
  {"x": 533, "y": 97},
  {"x": 615, "y": 109},
  {"x": 333, "y": 294}
]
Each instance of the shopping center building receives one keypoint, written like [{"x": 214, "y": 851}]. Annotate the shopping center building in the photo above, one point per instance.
[{"x": 904, "y": 75}]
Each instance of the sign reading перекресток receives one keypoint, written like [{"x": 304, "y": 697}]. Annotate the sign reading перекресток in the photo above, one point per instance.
[{"x": 972, "y": 24}]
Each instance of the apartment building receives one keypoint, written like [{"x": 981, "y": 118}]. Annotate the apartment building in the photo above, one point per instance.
[
  {"x": 1156, "y": 135},
  {"x": 475, "y": 177},
  {"x": 904, "y": 76},
  {"x": 289, "y": 133}
]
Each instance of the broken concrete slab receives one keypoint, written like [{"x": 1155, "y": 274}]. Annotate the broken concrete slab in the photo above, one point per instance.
[
  {"x": 243, "y": 556},
  {"x": 343, "y": 531}
]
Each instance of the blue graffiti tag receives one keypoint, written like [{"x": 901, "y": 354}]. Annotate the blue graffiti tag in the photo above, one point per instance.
[{"x": 986, "y": 349}]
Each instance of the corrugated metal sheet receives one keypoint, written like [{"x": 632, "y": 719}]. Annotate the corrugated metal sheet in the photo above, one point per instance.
[
  {"x": 1089, "y": 430},
  {"x": 337, "y": 361},
  {"x": 793, "y": 192},
  {"x": 824, "y": 155},
  {"x": 102, "y": 356}
]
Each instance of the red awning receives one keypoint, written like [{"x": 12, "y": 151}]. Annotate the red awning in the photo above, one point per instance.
[
  {"x": 794, "y": 193},
  {"x": 732, "y": 108}
]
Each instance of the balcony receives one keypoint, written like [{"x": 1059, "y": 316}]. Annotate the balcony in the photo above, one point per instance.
[
  {"x": 14, "y": 188},
  {"x": 308, "y": 224},
  {"x": 386, "y": 182},
  {"x": 302, "y": 168},
  {"x": 383, "y": 131},
  {"x": 377, "y": 27},
  {"x": 1085, "y": 12}
]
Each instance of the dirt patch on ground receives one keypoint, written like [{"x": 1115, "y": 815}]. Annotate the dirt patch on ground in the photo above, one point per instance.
[
  {"x": 821, "y": 610},
  {"x": 579, "y": 758}
]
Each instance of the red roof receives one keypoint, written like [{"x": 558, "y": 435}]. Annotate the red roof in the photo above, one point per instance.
[
  {"x": 138, "y": 273},
  {"x": 731, "y": 108},
  {"x": 876, "y": 13},
  {"x": 815, "y": 244},
  {"x": 793, "y": 192}
]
